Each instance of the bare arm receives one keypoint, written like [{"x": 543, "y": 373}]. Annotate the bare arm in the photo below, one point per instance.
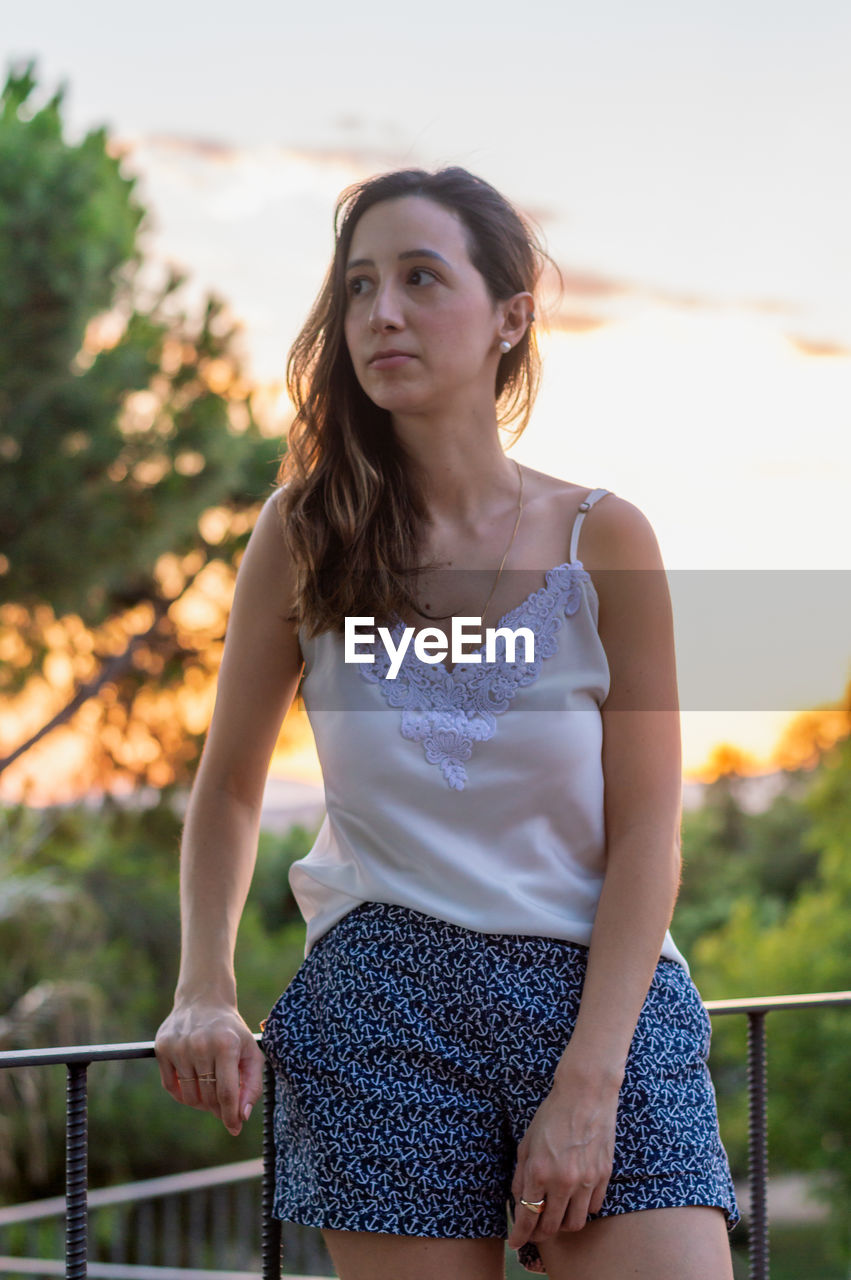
[
  {"x": 568, "y": 1156},
  {"x": 261, "y": 664},
  {"x": 642, "y": 772}
]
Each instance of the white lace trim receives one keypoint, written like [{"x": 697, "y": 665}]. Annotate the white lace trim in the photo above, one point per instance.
[{"x": 447, "y": 711}]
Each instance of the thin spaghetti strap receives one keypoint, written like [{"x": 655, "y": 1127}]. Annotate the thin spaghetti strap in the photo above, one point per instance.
[{"x": 584, "y": 508}]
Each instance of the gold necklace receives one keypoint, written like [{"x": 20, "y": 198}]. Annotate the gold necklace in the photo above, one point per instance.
[{"x": 439, "y": 617}]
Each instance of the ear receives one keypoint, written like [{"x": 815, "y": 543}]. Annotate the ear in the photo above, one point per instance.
[{"x": 516, "y": 315}]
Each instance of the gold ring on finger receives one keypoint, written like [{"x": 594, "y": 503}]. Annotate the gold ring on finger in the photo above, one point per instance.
[
  {"x": 537, "y": 1206},
  {"x": 186, "y": 1077},
  {"x": 208, "y": 1078}
]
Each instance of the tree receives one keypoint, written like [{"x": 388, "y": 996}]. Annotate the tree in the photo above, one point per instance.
[
  {"x": 133, "y": 464},
  {"x": 90, "y": 938},
  {"x": 730, "y": 853},
  {"x": 802, "y": 945}
]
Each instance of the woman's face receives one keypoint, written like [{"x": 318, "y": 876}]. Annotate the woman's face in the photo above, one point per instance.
[{"x": 411, "y": 287}]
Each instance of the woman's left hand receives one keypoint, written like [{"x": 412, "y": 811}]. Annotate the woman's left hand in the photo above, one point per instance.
[{"x": 566, "y": 1155}]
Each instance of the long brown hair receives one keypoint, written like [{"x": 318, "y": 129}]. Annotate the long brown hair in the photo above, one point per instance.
[{"x": 352, "y": 508}]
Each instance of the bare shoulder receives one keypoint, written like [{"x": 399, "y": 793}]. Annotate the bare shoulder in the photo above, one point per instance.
[
  {"x": 260, "y": 667},
  {"x": 268, "y": 541},
  {"x": 270, "y": 522},
  {"x": 267, "y": 575},
  {"x": 635, "y": 624},
  {"x": 616, "y": 534}
]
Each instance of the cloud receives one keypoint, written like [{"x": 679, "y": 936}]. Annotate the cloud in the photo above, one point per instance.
[
  {"x": 589, "y": 300},
  {"x": 815, "y": 347},
  {"x": 209, "y": 148}
]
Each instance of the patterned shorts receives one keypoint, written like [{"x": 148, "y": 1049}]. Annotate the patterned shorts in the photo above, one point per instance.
[{"x": 411, "y": 1054}]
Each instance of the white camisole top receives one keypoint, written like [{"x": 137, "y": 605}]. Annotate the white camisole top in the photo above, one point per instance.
[{"x": 476, "y": 795}]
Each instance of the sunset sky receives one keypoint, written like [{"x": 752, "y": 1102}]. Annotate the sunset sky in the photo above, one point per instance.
[{"x": 686, "y": 165}]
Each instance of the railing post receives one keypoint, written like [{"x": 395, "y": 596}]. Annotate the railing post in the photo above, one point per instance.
[
  {"x": 271, "y": 1229},
  {"x": 76, "y": 1172},
  {"x": 757, "y": 1148}
]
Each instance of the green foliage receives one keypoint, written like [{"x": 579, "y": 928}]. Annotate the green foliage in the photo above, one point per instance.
[
  {"x": 93, "y": 492},
  {"x": 787, "y": 932},
  {"x": 95, "y": 919},
  {"x": 122, "y": 424},
  {"x": 800, "y": 1252},
  {"x": 68, "y": 223},
  {"x": 270, "y": 887},
  {"x": 729, "y": 853}
]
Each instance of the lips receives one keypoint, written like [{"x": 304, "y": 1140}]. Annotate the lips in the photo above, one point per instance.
[
  {"x": 385, "y": 355},
  {"x": 387, "y": 364}
]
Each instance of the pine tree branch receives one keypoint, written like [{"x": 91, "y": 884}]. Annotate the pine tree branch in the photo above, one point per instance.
[{"x": 112, "y": 669}]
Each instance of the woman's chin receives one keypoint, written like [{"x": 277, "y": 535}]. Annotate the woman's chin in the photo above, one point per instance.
[{"x": 397, "y": 401}]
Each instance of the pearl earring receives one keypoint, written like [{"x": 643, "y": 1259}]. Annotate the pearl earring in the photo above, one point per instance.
[{"x": 505, "y": 345}]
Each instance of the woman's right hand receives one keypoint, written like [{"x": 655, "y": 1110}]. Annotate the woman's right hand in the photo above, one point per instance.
[{"x": 205, "y": 1039}]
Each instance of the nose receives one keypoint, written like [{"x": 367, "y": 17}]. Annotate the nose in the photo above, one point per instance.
[{"x": 386, "y": 311}]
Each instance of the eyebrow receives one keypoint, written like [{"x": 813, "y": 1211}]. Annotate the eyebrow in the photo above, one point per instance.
[{"x": 409, "y": 253}]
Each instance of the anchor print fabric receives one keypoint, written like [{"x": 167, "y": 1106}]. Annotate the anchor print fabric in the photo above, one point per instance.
[{"x": 411, "y": 1054}]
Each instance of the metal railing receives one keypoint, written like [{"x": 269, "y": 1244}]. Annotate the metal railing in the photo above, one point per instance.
[
  {"x": 756, "y": 1009},
  {"x": 77, "y": 1060},
  {"x": 172, "y": 1227}
]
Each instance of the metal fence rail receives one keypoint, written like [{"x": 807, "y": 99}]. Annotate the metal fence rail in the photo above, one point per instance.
[
  {"x": 196, "y": 1209},
  {"x": 77, "y": 1200}
]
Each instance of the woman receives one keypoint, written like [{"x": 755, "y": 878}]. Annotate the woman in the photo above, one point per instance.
[{"x": 491, "y": 1013}]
